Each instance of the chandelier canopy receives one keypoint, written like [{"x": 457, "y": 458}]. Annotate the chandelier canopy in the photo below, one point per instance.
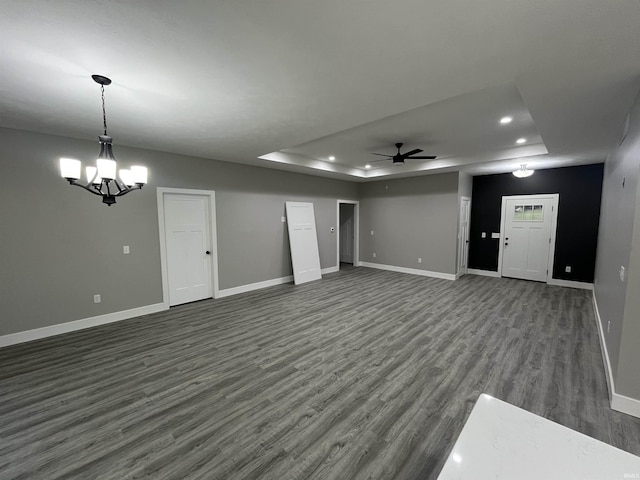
[{"x": 101, "y": 180}]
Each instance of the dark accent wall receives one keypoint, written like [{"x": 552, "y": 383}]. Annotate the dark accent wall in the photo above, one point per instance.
[{"x": 580, "y": 190}]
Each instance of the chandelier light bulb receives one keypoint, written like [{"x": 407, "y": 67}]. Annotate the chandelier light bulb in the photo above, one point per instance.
[
  {"x": 127, "y": 177},
  {"x": 70, "y": 168},
  {"x": 139, "y": 174},
  {"x": 106, "y": 168}
]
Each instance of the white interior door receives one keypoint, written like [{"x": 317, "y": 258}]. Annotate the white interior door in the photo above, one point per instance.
[
  {"x": 346, "y": 233},
  {"x": 186, "y": 220},
  {"x": 463, "y": 243},
  {"x": 526, "y": 241},
  {"x": 303, "y": 242}
]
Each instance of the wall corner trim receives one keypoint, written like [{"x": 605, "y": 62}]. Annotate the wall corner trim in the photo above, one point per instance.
[
  {"x": 411, "y": 271},
  {"x": 484, "y": 273},
  {"x": 618, "y": 402},
  {"x": 52, "y": 330}
]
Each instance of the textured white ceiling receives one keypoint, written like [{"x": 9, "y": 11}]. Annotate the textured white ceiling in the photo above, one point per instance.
[{"x": 235, "y": 80}]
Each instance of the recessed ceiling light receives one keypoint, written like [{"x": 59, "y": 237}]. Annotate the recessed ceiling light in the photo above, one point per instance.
[
  {"x": 505, "y": 120},
  {"x": 521, "y": 141},
  {"x": 332, "y": 158},
  {"x": 367, "y": 166}
]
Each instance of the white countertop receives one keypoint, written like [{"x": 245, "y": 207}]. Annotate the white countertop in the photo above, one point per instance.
[{"x": 503, "y": 442}]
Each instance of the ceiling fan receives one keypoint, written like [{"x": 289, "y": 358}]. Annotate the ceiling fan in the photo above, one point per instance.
[{"x": 399, "y": 158}]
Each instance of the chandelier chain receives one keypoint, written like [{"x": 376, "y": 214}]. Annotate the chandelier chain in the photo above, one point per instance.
[{"x": 104, "y": 112}]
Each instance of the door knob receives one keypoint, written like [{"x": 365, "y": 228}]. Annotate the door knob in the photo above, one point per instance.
[{"x": 208, "y": 252}]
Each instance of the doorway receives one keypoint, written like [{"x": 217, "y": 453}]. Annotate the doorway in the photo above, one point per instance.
[
  {"x": 347, "y": 236},
  {"x": 187, "y": 229},
  {"x": 463, "y": 238},
  {"x": 528, "y": 226}
]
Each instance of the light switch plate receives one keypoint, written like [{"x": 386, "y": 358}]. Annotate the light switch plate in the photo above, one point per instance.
[
  {"x": 125, "y": 249},
  {"x": 283, "y": 219},
  {"x": 495, "y": 235},
  {"x": 484, "y": 234}
]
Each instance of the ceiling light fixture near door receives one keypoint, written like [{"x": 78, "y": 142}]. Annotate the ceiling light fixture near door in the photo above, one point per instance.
[
  {"x": 101, "y": 180},
  {"x": 506, "y": 120},
  {"x": 520, "y": 141},
  {"x": 332, "y": 158},
  {"x": 523, "y": 172}
]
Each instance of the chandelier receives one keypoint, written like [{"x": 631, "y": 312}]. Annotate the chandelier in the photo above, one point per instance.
[
  {"x": 522, "y": 172},
  {"x": 101, "y": 179}
]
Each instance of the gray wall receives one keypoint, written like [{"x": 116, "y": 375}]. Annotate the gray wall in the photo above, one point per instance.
[
  {"x": 617, "y": 246},
  {"x": 411, "y": 217},
  {"x": 60, "y": 245}
]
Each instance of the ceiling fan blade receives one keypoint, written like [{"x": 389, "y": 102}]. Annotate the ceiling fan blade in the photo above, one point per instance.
[
  {"x": 412, "y": 152},
  {"x": 382, "y": 155},
  {"x": 428, "y": 157}
]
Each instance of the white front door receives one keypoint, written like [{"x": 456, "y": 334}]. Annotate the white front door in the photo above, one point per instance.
[
  {"x": 186, "y": 220},
  {"x": 463, "y": 242},
  {"x": 303, "y": 242},
  {"x": 526, "y": 236}
]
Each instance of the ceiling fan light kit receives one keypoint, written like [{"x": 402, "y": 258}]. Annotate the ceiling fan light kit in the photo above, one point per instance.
[
  {"x": 399, "y": 158},
  {"x": 523, "y": 172},
  {"x": 102, "y": 179}
]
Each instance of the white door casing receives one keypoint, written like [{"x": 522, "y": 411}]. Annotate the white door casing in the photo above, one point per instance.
[
  {"x": 527, "y": 243},
  {"x": 187, "y": 233},
  {"x": 303, "y": 242},
  {"x": 355, "y": 234},
  {"x": 463, "y": 239}
]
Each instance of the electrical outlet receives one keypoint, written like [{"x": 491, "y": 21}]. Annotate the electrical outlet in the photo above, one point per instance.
[
  {"x": 97, "y": 298},
  {"x": 484, "y": 234},
  {"x": 622, "y": 274},
  {"x": 608, "y": 326},
  {"x": 374, "y": 254},
  {"x": 371, "y": 232},
  {"x": 419, "y": 259},
  {"x": 125, "y": 249},
  {"x": 567, "y": 269},
  {"x": 283, "y": 219}
]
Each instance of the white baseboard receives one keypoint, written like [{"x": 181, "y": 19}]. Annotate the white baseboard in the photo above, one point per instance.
[
  {"x": 484, "y": 273},
  {"x": 227, "y": 292},
  {"x": 570, "y": 283},
  {"x": 618, "y": 402},
  {"x": 50, "y": 331},
  {"x": 411, "y": 271},
  {"x": 330, "y": 270},
  {"x": 621, "y": 403}
]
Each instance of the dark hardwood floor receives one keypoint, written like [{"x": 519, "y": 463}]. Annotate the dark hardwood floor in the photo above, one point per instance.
[{"x": 364, "y": 374}]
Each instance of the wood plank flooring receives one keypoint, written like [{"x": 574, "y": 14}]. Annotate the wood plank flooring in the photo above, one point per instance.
[{"x": 365, "y": 374}]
